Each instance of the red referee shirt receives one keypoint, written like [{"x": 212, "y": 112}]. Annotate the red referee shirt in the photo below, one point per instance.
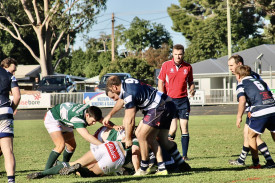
[{"x": 176, "y": 80}]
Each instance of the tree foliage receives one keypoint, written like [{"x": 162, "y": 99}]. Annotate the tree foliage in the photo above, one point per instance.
[
  {"x": 204, "y": 24},
  {"x": 142, "y": 34},
  {"x": 51, "y": 21},
  {"x": 156, "y": 57},
  {"x": 137, "y": 67}
]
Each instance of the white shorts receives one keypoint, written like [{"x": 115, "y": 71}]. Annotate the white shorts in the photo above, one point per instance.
[
  {"x": 6, "y": 128},
  {"x": 53, "y": 125},
  {"x": 109, "y": 156}
]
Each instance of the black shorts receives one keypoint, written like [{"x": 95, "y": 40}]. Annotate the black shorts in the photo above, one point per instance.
[
  {"x": 182, "y": 108},
  {"x": 160, "y": 117}
]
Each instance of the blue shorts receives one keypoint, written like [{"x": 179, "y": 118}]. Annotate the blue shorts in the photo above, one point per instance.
[
  {"x": 182, "y": 108},
  {"x": 160, "y": 117},
  {"x": 259, "y": 124}
]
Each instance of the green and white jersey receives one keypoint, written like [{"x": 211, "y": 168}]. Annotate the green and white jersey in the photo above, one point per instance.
[{"x": 70, "y": 114}]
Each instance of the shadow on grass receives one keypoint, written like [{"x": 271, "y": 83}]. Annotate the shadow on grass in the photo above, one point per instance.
[
  {"x": 132, "y": 178},
  {"x": 205, "y": 169}
]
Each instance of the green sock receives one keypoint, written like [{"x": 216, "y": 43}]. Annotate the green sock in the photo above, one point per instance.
[
  {"x": 67, "y": 155},
  {"x": 55, "y": 170},
  {"x": 52, "y": 158}
]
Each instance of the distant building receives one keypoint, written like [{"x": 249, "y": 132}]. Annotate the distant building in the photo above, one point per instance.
[{"x": 212, "y": 75}]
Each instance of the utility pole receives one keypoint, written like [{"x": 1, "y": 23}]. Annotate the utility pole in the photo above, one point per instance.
[
  {"x": 229, "y": 49},
  {"x": 113, "y": 37}
]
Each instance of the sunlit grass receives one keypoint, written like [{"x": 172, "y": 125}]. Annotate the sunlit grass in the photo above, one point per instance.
[{"x": 213, "y": 141}]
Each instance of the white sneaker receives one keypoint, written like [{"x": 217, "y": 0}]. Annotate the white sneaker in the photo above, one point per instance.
[{"x": 140, "y": 172}]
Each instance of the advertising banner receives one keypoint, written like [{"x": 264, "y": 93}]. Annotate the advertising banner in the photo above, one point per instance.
[
  {"x": 98, "y": 99},
  {"x": 40, "y": 100}
]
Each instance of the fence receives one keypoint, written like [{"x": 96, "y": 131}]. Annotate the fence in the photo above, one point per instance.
[
  {"x": 48, "y": 100},
  {"x": 221, "y": 96}
]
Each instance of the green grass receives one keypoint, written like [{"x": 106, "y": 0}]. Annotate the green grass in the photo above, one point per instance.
[{"x": 213, "y": 141}]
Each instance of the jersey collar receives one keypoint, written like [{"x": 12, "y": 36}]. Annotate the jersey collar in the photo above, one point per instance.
[{"x": 182, "y": 64}]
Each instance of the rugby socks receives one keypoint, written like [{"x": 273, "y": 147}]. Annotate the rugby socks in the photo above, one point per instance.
[
  {"x": 55, "y": 170},
  {"x": 161, "y": 166},
  {"x": 152, "y": 158},
  {"x": 243, "y": 155},
  {"x": 67, "y": 155},
  {"x": 176, "y": 155},
  {"x": 184, "y": 144},
  {"x": 52, "y": 158},
  {"x": 144, "y": 165},
  {"x": 255, "y": 161},
  {"x": 11, "y": 179},
  {"x": 265, "y": 152}
]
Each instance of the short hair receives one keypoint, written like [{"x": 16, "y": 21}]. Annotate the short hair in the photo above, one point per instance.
[
  {"x": 237, "y": 58},
  {"x": 178, "y": 47},
  {"x": 107, "y": 89},
  {"x": 7, "y": 62},
  {"x": 113, "y": 80},
  {"x": 94, "y": 112},
  {"x": 243, "y": 70}
]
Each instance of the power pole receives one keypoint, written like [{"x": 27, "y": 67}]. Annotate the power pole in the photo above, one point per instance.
[
  {"x": 113, "y": 37},
  {"x": 229, "y": 49}
]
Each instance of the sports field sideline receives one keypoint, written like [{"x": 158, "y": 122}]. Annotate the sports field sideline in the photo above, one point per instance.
[{"x": 214, "y": 139}]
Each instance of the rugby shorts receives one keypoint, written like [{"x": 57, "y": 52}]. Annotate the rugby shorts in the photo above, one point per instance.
[
  {"x": 109, "y": 156},
  {"x": 53, "y": 125},
  {"x": 160, "y": 117},
  {"x": 259, "y": 124},
  {"x": 182, "y": 108},
  {"x": 6, "y": 128}
]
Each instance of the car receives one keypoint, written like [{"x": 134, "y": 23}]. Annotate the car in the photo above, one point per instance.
[
  {"x": 57, "y": 84},
  {"x": 102, "y": 83}
]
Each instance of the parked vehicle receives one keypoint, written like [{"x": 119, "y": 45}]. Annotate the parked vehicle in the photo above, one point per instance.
[
  {"x": 102, "y": 83},
  {"x": 57, "y": 83}
]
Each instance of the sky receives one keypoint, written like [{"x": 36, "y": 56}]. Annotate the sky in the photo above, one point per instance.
[{"x": 125, "y": 11}]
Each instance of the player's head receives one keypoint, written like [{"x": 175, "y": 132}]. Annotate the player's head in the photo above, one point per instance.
[
  {"x": 93, "y": 114},
  {"x": 113, "y": 87},
  {"x": 178, "y": 52},
  {"x": 242, "y": 71},
  {"x": 9, "y": 64},
  {"x": 234, "y": 61}
]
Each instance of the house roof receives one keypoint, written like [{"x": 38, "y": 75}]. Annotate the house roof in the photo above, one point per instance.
[
  {"x": 220, "y": 66},
  {"x": 27, "y": 71}
]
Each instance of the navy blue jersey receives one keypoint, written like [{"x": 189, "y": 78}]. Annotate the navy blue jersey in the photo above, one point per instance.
[
  {"x": 258, "y": 96},
  {"x": 7, "y": 82},
  {"x": 255, "y": 75},
  {"x": 139, "y": 95}
]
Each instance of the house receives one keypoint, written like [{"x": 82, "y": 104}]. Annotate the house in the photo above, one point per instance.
[{"x": 213, "y": 77}]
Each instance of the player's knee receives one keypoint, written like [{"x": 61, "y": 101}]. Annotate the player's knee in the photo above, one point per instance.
[{"x": 59, "y": 147}]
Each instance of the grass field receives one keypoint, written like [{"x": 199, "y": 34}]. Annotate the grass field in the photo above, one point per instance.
[{"x": 213, "y": 141}]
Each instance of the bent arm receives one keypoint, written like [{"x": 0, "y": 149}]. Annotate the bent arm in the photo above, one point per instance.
[
  {"x": 90, "y": 138},
  {"x": 116, "y": 108}
]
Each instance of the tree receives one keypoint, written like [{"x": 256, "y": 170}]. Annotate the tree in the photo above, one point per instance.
[
  {"x": 52, "y": 21},
  {"x": 142, "y": 34},
  {"x": 156, "y": 57},
  {"x": 138, "y": 68},
  {"x": 204, "y": 24}
]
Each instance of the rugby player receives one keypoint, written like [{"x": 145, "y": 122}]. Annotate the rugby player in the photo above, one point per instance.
[
  {"x": 60, "y": 122},
  {"x": 158, "y": 110},
  {"x": 255, "y": 92},
  {"x": 233, "y": 62},
  {"x": 8, "y": 84}
]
